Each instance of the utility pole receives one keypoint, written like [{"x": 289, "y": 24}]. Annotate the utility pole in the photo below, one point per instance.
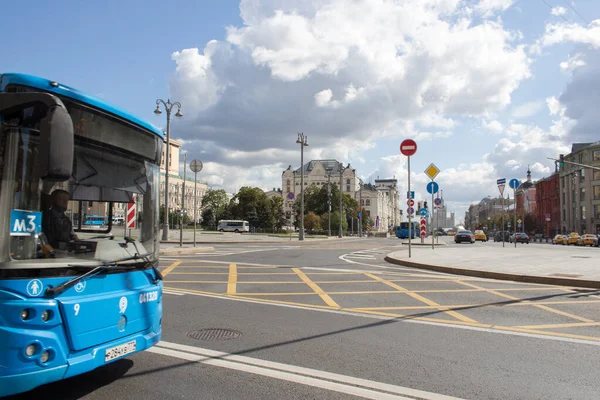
[
  {"x": 341, "y": 182},
  {"x": 329, "y": 202},
  {"x": 182, "y": 200},
  {"x": 303, "y": 141}
]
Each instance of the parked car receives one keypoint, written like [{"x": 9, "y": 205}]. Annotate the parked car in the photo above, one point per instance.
[
  {"x": 519, "y": 237},
  {"x": 560, "y": 239},
  {"x": 573, "y": 238},
  {"x": 480, "y": 235},
  {"x": 464, "y": 236},
  {"x": 588, "y": 240},
  {"x": 499, "y": 234}
]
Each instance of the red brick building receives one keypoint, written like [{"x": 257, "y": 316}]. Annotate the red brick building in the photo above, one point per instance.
[
  {"x": 548, "y": 202},
  {"x": 526, "y": 202}
]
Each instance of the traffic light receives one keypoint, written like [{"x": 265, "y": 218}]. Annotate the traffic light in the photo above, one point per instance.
[
  {"x": 561, "y": 161},
  {"x": 425, "y": 205}
]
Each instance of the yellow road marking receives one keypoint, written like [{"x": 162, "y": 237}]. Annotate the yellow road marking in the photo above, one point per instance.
[
  {"x": 550, "y": 326},
  {"x": 422, "y": 299},
  {"x": 540, "y": 306},
  {"x": 242, "y": 283},
  {"x": 412, "y": 307},
  {"x": 316, "y": 288},
  {"x": 170, "y": 268},
  {"x": 231, "y": 284},
  {"x": 400, "y": 316},
  {"x": 560, "y": 334}
]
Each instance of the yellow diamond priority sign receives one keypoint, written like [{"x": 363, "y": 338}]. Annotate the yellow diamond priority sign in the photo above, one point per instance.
[{"x": 432, "y": 171}]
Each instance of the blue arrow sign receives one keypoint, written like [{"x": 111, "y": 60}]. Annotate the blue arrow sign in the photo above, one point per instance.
[
  {"x": 514, "y": 183},
  {"x": 432, "y": 187},
  {"x": 423, "y": 212},
  {"x": 501, "y": 181},
  {"x": 410, "y": 195}
]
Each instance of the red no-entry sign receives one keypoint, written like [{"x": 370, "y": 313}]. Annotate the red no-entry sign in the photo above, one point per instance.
[{"x": 408, "y": 147}]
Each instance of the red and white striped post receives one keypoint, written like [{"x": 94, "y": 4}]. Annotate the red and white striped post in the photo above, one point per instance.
[
  {"x": 423, "y": 227},
  {"x": 131, "y": 216}
]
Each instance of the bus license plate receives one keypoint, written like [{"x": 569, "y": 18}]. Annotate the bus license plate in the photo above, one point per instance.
[{"x": 119, "y": 351}]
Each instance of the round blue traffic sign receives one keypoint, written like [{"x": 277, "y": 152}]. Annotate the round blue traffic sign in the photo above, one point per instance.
[
  {"x": 514, "y": 183},
  {"x": 410, "y": 210},
  {"x": 437, "y": 201},
  {"x": 432, "y": 187}
]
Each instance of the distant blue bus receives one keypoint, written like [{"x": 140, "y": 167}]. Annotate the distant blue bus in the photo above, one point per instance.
[
  {"x": 96, "y": 220},
  {"x": 402, "y": 230}
]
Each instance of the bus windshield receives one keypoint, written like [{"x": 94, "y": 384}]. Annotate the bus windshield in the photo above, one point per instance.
[{"x": 115, "y": 163}]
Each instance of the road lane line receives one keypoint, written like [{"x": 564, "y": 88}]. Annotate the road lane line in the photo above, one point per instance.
[
  {"x": 231, "y": 284},
  {"x": 316, "y": 288},
  {"x": 542, "y": 307},
  {"x": 551, "y": 326},
  {"x": 555, "y": 336},
  {"x": 422, "y": 299},
  {"x": 327, "y": 380},
  {"x": 173, "y": 292},
  {"x": 170, "y": 268}
]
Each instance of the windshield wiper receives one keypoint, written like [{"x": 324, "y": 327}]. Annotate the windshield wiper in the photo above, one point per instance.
[{"x": 103, "y": 267}]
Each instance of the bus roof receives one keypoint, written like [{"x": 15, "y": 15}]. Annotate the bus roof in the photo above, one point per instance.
[{"x": 63, "y": 90}]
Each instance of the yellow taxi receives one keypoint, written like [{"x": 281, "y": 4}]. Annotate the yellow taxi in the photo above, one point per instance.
[
  {"x": 480, "y": 235},
  {"x": 573, "y": 238},
  {"x": 559, "y": 239},
  {"x": 588, "y": 240}
]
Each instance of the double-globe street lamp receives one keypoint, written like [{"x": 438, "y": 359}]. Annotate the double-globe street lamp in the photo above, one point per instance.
[{"x": 168, "y": 107}]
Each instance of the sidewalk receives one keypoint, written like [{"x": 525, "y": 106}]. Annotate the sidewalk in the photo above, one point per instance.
[{"x": 554, "y": 265}]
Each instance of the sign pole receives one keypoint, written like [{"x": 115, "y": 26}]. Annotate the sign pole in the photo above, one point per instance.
[
  {"x": 515, "y": 213},
  {"x": 409, "y": 215},
  {"x": 432, "y": 232},
  {"x": 196, "y": 166},
  {"x": 503, "y": 210},
  {"x": 437, "y": 225}
]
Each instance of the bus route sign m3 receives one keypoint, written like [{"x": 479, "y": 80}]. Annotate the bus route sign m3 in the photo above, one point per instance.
[{"x": 25, "y": 223}]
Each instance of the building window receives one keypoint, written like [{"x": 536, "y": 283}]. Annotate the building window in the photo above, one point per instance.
[
  {"x": 597, "y": 211},
  {"x": 582, "y": 212},
  {"x": 596, "y": 155},
  {"x": 597, "y": 192},
  {"x": 582, "y": 194},
  {"x": 596, "y": 176},
  {"x": 368, "y": 202},
  {"x": 581, "y": 175},
  {"x": 347, "y": 188},
  {"x": 347, "y": 181},
  {"x": 362, "y": 202}
]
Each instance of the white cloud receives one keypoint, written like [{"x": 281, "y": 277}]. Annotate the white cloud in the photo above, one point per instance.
[
  {"x": 558, "y": 11},
  {"x": 490, "y": 7},
  {"x": 527, "y": 109},
  {"x": 574, "y": 61},
  {"x": 554, "y": 105},
  {"x": 345, "y": 73},
  {"x": 566, "y": 32},
  {"x": 494, "y": 126}
]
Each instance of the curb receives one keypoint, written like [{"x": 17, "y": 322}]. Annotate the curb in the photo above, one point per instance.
[
  {"x": 171, "y": 252},
  {"x": 498, "y": 275}
]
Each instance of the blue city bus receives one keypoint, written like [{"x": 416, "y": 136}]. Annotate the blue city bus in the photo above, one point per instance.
[
  {"x": 96, "y": 220},
  {"x": 402, "y": 230},
  {"x": 73, "y": 299}
]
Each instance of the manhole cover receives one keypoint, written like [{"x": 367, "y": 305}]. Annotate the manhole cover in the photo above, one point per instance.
[
  {"x": 566, "y": 275},
  {"x": 581, "y": 257},
  {"x": 214, "y": 334}
]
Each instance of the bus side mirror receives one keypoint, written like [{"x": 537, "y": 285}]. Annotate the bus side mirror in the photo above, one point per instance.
[{"x": 56, "y": 131}]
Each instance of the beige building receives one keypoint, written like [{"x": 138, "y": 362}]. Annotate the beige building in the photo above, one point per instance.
[
  {"x": 176, "y": 186},
  {"x": 380, "y": 201},
  {"x": 580, "y": 190}
]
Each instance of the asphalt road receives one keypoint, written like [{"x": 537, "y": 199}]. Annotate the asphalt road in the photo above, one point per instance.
[{"x": 332, "y": 320}]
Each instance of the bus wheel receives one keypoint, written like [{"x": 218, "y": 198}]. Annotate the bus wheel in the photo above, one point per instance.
[
  {"x": 236, "y": 231},
  {"x": 220, "y": 230}
]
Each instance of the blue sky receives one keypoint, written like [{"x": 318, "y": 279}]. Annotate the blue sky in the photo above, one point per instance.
[{"x": 477, "y": 83}]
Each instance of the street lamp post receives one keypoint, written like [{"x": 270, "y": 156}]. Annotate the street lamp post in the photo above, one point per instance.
[
  {"x": 168, "y": 107},
  {"x": 302, "y": 141},
  {"x": 341, "y": 183},
  {"x": 329, "y": 202},
  {"x": 195, "y": 166}
]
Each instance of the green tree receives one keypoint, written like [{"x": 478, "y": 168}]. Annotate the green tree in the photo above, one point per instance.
[
  {"x": 335, "y": 223},
  {"x": 215, "y": 200},
  {"x": 278, "y": 219}
]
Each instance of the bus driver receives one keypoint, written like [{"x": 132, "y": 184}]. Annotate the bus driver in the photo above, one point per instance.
[{"x": 55, "y": 224}]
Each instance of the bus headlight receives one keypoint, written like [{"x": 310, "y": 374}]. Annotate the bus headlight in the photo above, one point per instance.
[
  {"x": 45, "y": 315},
  {"x": 25, "y": 314},
  {"x": 45, "y": 356},
  {"x": 30, "y": 350}
]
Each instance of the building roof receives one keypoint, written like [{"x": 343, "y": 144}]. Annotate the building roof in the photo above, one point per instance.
[
  {"x": 578, "y": 146},
  {"x": 329, "y": 165}
]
